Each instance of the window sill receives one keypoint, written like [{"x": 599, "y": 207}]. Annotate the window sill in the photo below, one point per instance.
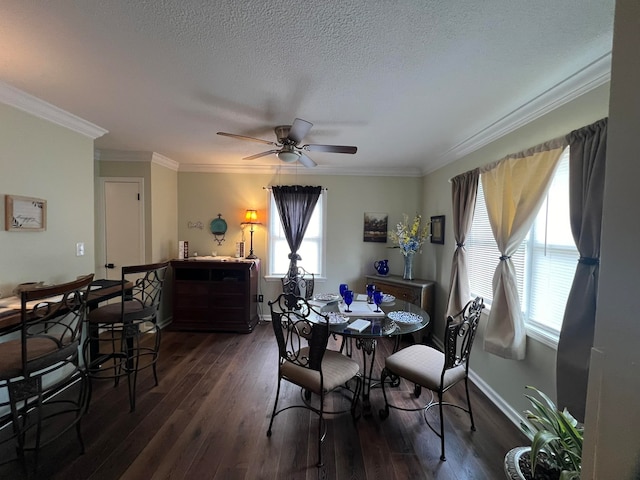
[
  {"x": 545, "y": 337},
  {"x": 278, "y": 278}
]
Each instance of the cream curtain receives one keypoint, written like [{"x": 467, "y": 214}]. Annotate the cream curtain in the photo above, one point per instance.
[
  {"x": 464, "y": 189},
  {"x": 514, "y": 189}
]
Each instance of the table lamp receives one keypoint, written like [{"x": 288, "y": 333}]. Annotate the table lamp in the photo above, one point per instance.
[{"x": 251, "y": 218}]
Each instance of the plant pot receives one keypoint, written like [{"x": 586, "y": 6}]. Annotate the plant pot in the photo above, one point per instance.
[
  {"x": 511, "y": 463},
  {"x": 514, "y": 471}
]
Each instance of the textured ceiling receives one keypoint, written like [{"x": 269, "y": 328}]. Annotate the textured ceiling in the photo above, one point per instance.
[{"x": 411, "y": 83}]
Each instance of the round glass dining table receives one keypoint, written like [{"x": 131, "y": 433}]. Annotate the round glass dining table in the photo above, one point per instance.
[{"x": 399, "y": 318}]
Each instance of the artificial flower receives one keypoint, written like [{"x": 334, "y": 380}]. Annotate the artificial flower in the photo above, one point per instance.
[{"x": 410, "y": 237}]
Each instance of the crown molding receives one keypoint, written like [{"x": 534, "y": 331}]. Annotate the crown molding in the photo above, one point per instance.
[
  {"x": 163, "y": 161},
  {"x": 292, "y": 169},
  {"x": 107, "y": 155},
  {"x": 39, "y": 108},
  {"x": 593, "y": 75}
]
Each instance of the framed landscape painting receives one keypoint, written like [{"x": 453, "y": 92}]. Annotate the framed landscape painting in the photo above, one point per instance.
[{"x": 375, "y": 227}]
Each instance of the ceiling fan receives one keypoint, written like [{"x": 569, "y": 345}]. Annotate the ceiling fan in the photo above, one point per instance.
[{"x": 289, "y": 149}]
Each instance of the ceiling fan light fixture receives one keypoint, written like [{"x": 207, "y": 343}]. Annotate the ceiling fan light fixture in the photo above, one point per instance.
[
  {"x": 289, "y": 144},
  {"x": 288, "y": 156}
]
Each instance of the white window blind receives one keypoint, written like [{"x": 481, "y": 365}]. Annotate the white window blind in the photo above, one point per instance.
[
  {"x": 484, "y": 256},
  {"x": 545, "y": 261},
  {"x": 312, "y": 248},
  {"x": 554, "y": 254}
]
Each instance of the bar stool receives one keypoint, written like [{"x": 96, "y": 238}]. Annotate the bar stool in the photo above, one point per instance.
[
  {"x": 46, "y": 390},
  {"x": 124, "y": 337}
]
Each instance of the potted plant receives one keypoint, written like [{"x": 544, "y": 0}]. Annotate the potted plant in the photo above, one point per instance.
[{"x": 556, "y": 443}]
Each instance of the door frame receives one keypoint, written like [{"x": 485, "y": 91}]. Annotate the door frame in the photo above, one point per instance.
[{"x": 101, "y": 233}]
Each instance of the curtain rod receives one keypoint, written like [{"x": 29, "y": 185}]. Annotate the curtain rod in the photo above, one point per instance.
[{"x": 269, "y": 188}]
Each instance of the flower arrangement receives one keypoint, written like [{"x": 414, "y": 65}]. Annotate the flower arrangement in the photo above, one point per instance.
[{"x": 409, "y": 238}]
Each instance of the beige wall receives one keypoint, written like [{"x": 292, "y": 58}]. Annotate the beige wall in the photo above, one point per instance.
[
  {"x": 164, "y": 212},
  {"x": 44, "y": 160},
  {"x": 506, "y": 378},
  {"x": 203, "y": 195}
]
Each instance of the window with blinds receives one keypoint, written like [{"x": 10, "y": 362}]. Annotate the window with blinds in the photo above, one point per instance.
[{"x": 545, "y": 262}]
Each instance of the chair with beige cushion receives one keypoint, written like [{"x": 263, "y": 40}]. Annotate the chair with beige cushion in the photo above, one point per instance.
[
  {"x": 124, "y": 337},
  {"x": 427, "y": 367},
  {"x": 302, "y": 336},
  {"x": 43, "y": 389}
]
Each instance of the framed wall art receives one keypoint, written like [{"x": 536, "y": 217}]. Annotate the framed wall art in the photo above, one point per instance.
[
  {"x": 24, "y": 214},
  {"x": 437, "y": 229},
  {"x": 375, "y": 227}
]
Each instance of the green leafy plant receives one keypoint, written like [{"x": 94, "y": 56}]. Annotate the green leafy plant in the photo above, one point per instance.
[{"x": 555, "y": 433}]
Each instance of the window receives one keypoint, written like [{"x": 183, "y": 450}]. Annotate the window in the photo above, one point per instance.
[
  {"x": 312, "y": 248},
  {"x": 545, "y": 262}
]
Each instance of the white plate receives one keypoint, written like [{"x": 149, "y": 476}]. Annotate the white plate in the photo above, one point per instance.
[
  {"x": 336, "y": 319},
  {"x": 406, "y": 318},
  {"x": 388, "y": 298},
  {"x": 326, "y": 297}
]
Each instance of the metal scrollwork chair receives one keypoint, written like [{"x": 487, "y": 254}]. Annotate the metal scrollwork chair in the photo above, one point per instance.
[
  {"x": 299, "y": 282},
  {"x": 424, "y": 366},
  {"x": 302, "y": 335},
  {"x": 43, "y": 390},
  {"x": 124, "y": 337}
]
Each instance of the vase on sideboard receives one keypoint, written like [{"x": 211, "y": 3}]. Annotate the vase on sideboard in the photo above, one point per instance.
[{"x": 408, "y": 266}]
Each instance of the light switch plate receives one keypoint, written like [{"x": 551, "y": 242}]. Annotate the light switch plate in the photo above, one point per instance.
[{"x": 79, "y": 249}]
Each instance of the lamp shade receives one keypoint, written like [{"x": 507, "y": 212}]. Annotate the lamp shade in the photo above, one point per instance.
[{"x": 251, "y": 216}]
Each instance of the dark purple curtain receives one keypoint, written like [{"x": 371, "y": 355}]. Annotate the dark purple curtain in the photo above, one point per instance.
[
  {"x": 586, "y": 189},
  {"x": 295, "y": 205}
]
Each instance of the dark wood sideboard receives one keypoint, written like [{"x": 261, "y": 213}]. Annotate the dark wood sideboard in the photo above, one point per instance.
[
  {"x": 215, "y": 295},
  {"x": 417, "y": 291}
]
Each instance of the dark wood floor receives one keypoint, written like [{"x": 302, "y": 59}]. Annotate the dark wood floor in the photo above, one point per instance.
[{"x": 208, "y": 420}]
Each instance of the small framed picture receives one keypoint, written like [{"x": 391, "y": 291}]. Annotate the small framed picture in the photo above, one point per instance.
[
  {"x": 375, "y": 227},
  {"x": 25, "y": 214},
  {"x": 437, "y": 229}
]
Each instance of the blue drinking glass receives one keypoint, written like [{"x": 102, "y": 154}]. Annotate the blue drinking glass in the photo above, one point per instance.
[
  {"x": 377, "y": 299},
  {"x": 370, "y": 289},
  {"x": 343, "y": 288},
  {"x": 348, "y": 299}
]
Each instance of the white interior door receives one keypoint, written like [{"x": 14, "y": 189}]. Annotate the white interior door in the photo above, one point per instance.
[{"x": 124, "y": 225}]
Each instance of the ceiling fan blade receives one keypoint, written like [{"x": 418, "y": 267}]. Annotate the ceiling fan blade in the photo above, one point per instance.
[
  {"x": 330, "y": 148},
  {"x": 306, "y": 161},
  {"x": 263, "y": 154},
  {"x": 243, "y": 137},
  {"x": 298, "y": 130}
]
